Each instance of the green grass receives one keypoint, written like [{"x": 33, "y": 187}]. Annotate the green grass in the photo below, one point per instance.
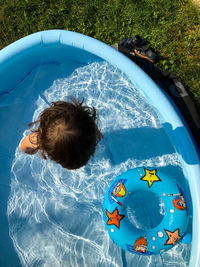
[{"x": 170, "y": 26}]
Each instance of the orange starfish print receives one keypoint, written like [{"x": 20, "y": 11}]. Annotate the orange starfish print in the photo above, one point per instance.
[
  {"x": 114, "y": 218},
  {"x": 173, "y": 237}
]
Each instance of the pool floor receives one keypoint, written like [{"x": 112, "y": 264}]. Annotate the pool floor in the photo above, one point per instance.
[{"x": 55, "y": 215}]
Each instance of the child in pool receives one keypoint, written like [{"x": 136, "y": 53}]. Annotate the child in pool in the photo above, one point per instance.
[{"x": 67, "y": 134}]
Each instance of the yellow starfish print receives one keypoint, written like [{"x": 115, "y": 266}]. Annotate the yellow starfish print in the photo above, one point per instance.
[{"x": 150, "y": 177}]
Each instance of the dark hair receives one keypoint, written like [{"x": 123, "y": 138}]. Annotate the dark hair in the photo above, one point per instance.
[{"x": 67, "y": 133}]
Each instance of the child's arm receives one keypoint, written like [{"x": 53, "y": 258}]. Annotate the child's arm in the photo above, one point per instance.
[{"x": 27, "y": 146}]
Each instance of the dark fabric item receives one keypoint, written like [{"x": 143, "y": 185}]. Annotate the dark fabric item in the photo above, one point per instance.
[
  {"x": 146, "y": 53},
  {"x": 133, "y": 42}
]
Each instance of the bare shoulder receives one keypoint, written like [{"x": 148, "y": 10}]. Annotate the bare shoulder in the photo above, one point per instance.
[{"x": 29, "y": 144}]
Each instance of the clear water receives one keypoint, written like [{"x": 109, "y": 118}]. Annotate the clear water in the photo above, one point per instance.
[
  {"x": 55, "y": 215},
  {"x": 145, "y": 209}
]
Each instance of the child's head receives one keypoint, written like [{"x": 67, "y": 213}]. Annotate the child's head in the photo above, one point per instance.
[{"x": 67, "y": 133}]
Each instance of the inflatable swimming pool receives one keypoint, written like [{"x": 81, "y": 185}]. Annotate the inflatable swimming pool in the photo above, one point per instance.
[{"x": 19, "y": 59}]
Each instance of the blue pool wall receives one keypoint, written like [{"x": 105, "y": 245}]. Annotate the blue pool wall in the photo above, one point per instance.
[{"x": 20, "y": 58}]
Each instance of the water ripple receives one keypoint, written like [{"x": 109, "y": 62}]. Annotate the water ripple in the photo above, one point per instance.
[{"x": 55, "y": 215}]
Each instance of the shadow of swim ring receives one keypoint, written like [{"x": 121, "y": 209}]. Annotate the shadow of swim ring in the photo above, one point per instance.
[{"x": 124, "y": 233}]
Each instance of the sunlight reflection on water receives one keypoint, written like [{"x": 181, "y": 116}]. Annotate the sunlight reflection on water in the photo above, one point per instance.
[{"x": 55, "y": 215}]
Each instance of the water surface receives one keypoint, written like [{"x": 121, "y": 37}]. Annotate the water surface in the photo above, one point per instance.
[{"x": 55, "y": 215}]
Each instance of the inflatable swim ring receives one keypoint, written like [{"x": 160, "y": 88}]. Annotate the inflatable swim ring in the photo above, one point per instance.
[{"x": 125, "y": 234}]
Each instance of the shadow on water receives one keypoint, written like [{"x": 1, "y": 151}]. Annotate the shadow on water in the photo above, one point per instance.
[
  {"x": 14, "y": 117},
  {"x": 182, "y": 141},
  {"x": 145, "y": 143},
  {"x": 17, "y": 111},
  {"x": 137, "y": 143}
]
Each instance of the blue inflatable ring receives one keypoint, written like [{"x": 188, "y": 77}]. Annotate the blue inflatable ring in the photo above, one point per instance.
[{"x": 152, "y": 241}]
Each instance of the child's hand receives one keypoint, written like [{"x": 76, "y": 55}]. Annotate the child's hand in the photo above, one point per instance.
[{"x": 28, "y": 147}]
